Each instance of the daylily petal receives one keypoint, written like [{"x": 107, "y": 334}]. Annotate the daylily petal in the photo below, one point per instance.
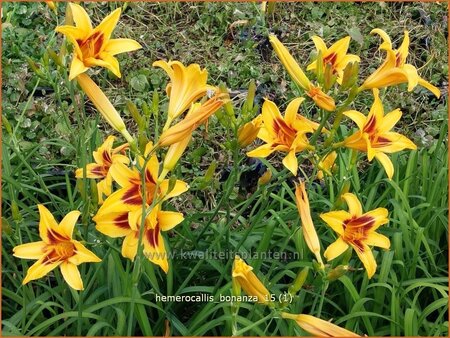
[
  {"x": 108, "y": 24},
  {"x": 378, "y": 217},
  {"x": 169, "y": 219},
  {"x": 104, "y": 60},
  {"x": 319, "y": 43},
  {"x": 290, "y": 162},
  {"x": 39, "y": 269},
  {"x": 68, "y": 223},
  {"x": 125, "y": 199},
  {"x": 262, "y": 151},
  {"x": 389, "y": 120},
  {"x": 123, "y": 175},
  {"x": 290, "y": 115},
  {"x": 387, "y": 44},
  {"x": 130, "y": 245},
  {"x": 430, "y": 87},
  {"x": 77, "y": 67},
  {"x": 335, "y": 219},
  {"x": 82, "y": 255},
  {"x": 47, "y": 222},
  {"x": 357, "y": 117},
  {"x": 391, "y": 142},
  {"x": 413, "y": 77},
  {"x": 154, "y": 248},
  {"x": 71, "y": 32},
  {"x": 81, "y": 18},
  {"x": 402, "y": 52},
  {"x": 379, "y": 240},
  {"x": 340, "y": 47},
  {"x": 335, "y": 249},
  {"x": 354, "y": 206},
  {"x": 71, "y": 275},
  {"x": 33, "y": 250},
  {"x": 114, "y": 224},
  {"x": 366, "y": 256},
  {"x": 117, "y": 46},
  {"x": 93, "y": 170},
  {"x": 386, "y": 163},
  {"x": 179, "y": 188}
]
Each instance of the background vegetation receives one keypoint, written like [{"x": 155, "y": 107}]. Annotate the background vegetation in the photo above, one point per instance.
[{"x": 44, "y": 139}]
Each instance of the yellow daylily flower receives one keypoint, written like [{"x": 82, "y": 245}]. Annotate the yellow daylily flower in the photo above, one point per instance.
[
  {"x": 57, "y": 248},
  {"x": 184, "y": 128},
  {"x": 127, "y": 224},
  {"x": 357, "y": 230},
  {"x": 249, "y": 131},
  {"x": 188, "y": 84},
  {"x": 104, "y": 157},
  {"x": 336, "y": 56},
  {"x": 243, "y": 275},
  {"x": 318, "y": 327},
  {"x": 286, "y": 134},
  {"x": 326, "y": 164},
  {"x": 129, "y": 197},
  {"x": 394, "y": 69},
  {"x": 94, "y": 46},
  {"x": 308, "y": 228},
  {"x": 104, "y": 106},
  {"x": 321, "y": 99},
  {"x": 375, "y": 137}
]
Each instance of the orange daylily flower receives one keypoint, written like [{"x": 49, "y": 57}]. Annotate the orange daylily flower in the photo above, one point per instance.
[
  {"x": 286, "y": 134},
  {"x": 336, "y": 56},
  {"x": 322, "y": 100},
  {"x": 104, "y": 157},
  {"x": 357, "y": 230},
  {"x": 94, "y": 46},
  {"x": 57, "y": 248},
  {"x": 394, "y": 69},
  {"x": 375, "y": 137}
]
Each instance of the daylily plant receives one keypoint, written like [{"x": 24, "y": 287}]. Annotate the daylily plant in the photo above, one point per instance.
[
  {"x": 94, "y": 46},
  {"x": 375, "y": 137},
  {"x": 357, "y": 230},
  {"x": 57, "y": 248}
]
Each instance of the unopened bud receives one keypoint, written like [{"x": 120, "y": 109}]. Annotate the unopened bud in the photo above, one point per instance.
[
  {"x": 299, "y": 281},
  {"x": 350, "y": 75},
  {"x": 337, "y": 272}
]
